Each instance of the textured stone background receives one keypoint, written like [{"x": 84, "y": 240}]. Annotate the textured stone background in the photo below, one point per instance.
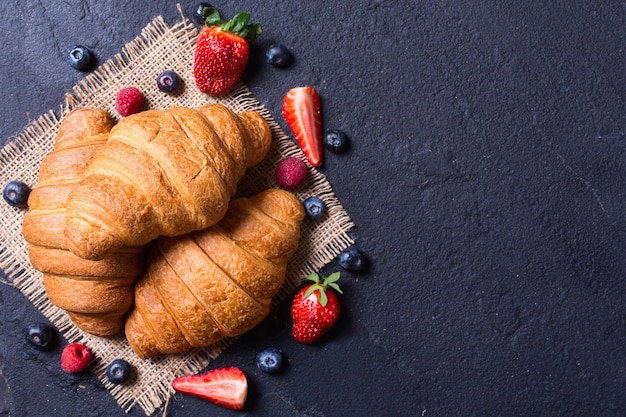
[{"x": 486, "y": 179}]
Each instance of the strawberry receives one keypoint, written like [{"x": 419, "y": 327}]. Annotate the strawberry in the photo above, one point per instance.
[
  {"x": 227, "y": 387},
  {"x": 315, "y": 308},
  {"x": 301, "y": 110},
  {"x": 222, "y": 51}
]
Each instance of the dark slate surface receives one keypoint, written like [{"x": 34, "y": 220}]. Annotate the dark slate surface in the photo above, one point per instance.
[{"x": 486, "y": 180}]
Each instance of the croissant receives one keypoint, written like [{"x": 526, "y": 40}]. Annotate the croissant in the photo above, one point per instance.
[
  {"x": 96, "y": 294},
  {"x": 163, "y": 172},
  {"x": 219, "y": 282}
]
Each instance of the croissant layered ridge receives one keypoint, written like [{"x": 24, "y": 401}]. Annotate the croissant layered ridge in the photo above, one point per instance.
[
  {"x": 96, "y": 294},
  {"x": 162, "y": 173},
  {"x": 219, "y": 282}
]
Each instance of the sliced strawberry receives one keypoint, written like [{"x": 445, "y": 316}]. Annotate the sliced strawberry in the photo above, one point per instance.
[
  {"x": 227, "y": 387},
  {"x": 301, "y": 110}
]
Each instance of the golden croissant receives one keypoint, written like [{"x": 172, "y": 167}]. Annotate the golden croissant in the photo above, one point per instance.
[
  {"x": 96, "y": 294},
  {"x": 163, "y": 172},
  {"x": 219, "y": 282}
]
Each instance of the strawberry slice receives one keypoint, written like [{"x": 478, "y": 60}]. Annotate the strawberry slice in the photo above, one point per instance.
[
  {"x": 301, "y": 110},
  {"x": 227, "y": 387}
]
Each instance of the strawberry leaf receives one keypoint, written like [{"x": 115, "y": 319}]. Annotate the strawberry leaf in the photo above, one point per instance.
[
  {"x": 309, "y": 291},
  {"x": 335, "y": 287},
  {"x": 255, "y": 31},
  {"x": 240, "y": 22},
  {"x": 331, "y": 281},
  {"x": 321, "y": 284},
  {"x": 240, "y": 25},
  {"x": 334, "y": 277},
  {"x": 323, "y": 298},
  {"x": 313, "y": 277},
  {"x": 212, "y": 16}
]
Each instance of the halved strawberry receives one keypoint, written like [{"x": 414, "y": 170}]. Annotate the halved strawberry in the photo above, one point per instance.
[
  {"x": 227, "y": 387},
  {"x": 301, "y": 110}
]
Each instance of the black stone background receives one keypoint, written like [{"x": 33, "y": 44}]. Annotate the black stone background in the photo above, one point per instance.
[{"x": 486, "y": 179}]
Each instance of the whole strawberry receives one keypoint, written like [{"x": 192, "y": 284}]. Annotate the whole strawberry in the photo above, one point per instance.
[
  {"x": 315, "y": 309},
  {"x": 222, "y": 51}
]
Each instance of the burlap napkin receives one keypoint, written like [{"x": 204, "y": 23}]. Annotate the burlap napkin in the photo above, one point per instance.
[{"x": 159, "y": 47}]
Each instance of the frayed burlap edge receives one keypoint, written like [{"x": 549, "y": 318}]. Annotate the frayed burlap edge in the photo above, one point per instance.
[{"x": 159, "y": 47}]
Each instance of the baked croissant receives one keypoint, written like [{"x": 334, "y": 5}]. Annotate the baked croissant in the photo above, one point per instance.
[
  {"x": 219, "y": 282},
  {"x": 163, "y": 172},
  {"x": 96, "y": 294}
]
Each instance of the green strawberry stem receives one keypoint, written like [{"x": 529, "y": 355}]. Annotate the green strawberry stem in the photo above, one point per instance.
[
  {"x": 321, "y": 284},
  {"x": 239, "y": 25}
]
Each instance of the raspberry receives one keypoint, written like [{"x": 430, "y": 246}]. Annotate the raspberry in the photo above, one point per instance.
[
  {"x": 290, "y": 172},
  {"x": 128, "y": 101},
  {"x": 75, "y": 358}
]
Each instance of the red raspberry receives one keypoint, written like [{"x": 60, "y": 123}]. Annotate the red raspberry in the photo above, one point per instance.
[
  {"x": 75, "y": 358},
  {"x": 290, "y": 172},
  {"x": 128, "y": 101}
]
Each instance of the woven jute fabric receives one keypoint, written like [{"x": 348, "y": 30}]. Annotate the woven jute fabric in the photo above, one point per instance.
[{"x": 158, "y": 47}]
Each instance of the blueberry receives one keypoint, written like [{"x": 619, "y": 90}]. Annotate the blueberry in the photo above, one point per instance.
[
  {"x": 168, "y": 81},
  {"x": 314, "y": 207},
  {"x": 80, "y": 58},
  {"x": 270, "y": 360},
  {"x": 336, "y": 141},
  {"x": 351, "y": 259},
  {"x": 119, "y": 371},
  {"x": 16, "y": 193},
  {"x": 41, "y": 335},
  {"x": 278, "y": 55},
  {"x": 199, "y": 13}
]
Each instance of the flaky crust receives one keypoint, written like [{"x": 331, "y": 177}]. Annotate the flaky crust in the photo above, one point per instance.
[
  {"x": 96, "y": 294},
  {"x": 163, "y": 172},
  {"x": 219, "y": 282}
]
